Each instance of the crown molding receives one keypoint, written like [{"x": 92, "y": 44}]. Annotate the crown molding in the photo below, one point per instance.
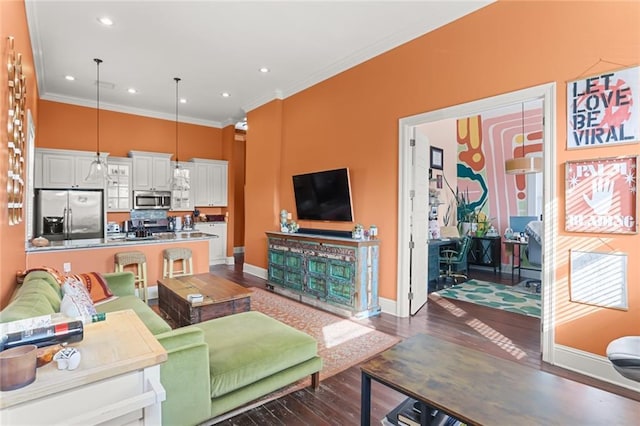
[{"x": 129, "y": 110}]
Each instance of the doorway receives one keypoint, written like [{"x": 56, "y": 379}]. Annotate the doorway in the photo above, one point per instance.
[{"x": 412, "y": 264}]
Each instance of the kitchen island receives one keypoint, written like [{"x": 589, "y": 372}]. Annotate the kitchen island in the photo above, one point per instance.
[{"x": 97, "y": 255}]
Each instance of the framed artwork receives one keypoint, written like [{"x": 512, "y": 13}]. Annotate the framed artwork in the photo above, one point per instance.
[
  {"x": 436, "y": 156},
  {"x": 598, "y": 279},
  {"x": 601, "y": 195},
  {"x": 603, "y": 109}
]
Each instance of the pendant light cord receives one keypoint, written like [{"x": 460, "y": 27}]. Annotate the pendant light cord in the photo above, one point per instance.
[
  {"x": 177, "y": 101},
  {"x": 98, "y": 62},
  {"x": 523, "y": 136}
]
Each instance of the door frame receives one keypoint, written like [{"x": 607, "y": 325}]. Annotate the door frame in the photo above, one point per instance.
[{"x": 546, "y": 92}]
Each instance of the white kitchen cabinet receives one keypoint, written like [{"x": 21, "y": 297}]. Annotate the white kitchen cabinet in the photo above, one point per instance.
[
  {"x": 182, "y": 193},
  {"x": 210, "y": 182},
  {"x": 217, "y": 246},
  {"x": 151, "y": 171},
  {"x": 60, "y": 168},
  {"x": 119, "y": 184}
]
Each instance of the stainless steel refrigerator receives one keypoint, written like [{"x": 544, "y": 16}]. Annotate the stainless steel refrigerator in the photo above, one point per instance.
[{"x": 69, "y": 214}]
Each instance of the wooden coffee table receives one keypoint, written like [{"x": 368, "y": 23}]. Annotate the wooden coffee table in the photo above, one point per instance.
[
  {"x": 481, "y": 389},
  {"x": 221, "y": 297}
]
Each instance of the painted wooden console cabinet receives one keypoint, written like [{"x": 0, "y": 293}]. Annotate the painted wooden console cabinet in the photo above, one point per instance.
[{"x": 336, "y": 274}]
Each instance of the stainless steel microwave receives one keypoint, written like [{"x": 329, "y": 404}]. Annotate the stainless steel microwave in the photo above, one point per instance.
[{"x": 146, "y": 200}]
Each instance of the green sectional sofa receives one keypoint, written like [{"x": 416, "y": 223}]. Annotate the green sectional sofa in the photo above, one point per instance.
[{"x": 212, "y": 367}]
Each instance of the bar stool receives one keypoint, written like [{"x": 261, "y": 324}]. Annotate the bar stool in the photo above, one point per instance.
[
  {"x": 139, "y": 260},
  {"x": 171, "y": 255}
]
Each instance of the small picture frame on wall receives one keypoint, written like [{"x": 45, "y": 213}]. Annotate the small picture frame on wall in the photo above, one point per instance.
[
  {"x": 439, "y": 181},
  {"x": 436, "y": 158}
]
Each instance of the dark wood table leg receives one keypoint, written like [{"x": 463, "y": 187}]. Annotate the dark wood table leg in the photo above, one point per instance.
[{"x": 365, "y": 400}]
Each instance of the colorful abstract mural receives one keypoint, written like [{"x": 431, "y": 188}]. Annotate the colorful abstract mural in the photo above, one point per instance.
[{"x": 485, "y": 141}]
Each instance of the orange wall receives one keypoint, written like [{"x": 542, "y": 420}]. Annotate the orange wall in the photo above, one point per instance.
[
  {"x": 12, "y": 23},
  {"x": 238, "y": 180},
  {"x": 352, "y": 120},
  {"x": 262, "y": 201},
  {"x": 66, "y": 126},
  {"x": 101, "y": 259}
]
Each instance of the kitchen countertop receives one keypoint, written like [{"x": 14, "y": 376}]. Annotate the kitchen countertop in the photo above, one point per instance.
[{"x": 158, "y": 238}]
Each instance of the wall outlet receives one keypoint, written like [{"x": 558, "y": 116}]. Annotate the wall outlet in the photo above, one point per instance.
[{"x": 66, "y": 266}]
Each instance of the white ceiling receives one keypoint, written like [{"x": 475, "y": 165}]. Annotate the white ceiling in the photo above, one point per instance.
[{"x": 214, "y": 47}]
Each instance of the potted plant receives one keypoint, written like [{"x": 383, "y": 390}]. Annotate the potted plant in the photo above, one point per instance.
[{"x": 469, "y": 219}]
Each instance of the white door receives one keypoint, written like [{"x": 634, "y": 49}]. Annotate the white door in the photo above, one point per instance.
[{"x": 419, "y": 222}]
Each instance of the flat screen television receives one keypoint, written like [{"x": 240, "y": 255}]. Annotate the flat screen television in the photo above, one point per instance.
[{"x": 324, "y": 195}]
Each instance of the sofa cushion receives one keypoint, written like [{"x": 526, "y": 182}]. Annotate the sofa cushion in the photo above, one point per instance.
[
  {"x": 27, "y": 306},
  {"x": 95, "y": 284},
  {"x": 76, "y": 302},
  {"x": 249, "y": 346},
  {"x": 34, "y": 297},
  {"x": 154, "y": 323}
]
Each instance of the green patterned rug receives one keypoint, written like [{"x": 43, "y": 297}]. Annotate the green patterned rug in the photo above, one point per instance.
[{"x": 494, "y": 295}]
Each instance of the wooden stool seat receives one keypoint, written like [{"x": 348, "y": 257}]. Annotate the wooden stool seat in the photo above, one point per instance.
[
  {"x": 139, "y": 260},
  {"x": 170, "y": 255}
]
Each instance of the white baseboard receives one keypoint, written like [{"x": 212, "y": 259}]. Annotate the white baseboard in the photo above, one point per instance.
[
  {"x": 590, "y": 365},
  {"x": 388, "y": 306},
  {"x": 230, "y": 260},
  {"x": 152, "y": 292},
  {"x": 256, "y": 271}
]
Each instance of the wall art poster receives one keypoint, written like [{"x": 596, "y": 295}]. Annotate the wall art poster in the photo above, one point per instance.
[
  {"x": 604, "y": 109},
  {"x": 601, "y": 195}
]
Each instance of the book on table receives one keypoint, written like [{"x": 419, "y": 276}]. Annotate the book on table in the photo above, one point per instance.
[{"x": 408, "y": 413}]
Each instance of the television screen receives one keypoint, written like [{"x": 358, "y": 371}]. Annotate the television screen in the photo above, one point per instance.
[{"x": 324, "y": 195}]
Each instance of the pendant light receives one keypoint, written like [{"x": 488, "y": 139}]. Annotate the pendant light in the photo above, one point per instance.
[
  {"x": 97, "y": 168},
  {"x": 179, "y": 181},
  {"x": 524, "y": 164}
]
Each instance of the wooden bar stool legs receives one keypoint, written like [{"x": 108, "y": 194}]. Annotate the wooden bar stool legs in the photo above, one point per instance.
[
  {"x": 139, "y": 260},
  {"x": 171, "y": 255}
]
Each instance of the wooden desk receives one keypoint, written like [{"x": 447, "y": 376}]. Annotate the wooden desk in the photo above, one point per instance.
[
  {"x": 117, "y": 381},
  {"x": 481, "y": 389},
  {"x": 520, "y": 246},
  {"x": 433, "y": 271},
  {"x": 486, "y": 251}
]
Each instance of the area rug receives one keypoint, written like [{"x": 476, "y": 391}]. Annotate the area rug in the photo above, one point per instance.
[
  {"x": 496, "y": 296},
  {"x": 342, "y": 343}
]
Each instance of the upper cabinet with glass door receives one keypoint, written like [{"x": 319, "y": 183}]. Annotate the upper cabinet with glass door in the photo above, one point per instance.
[
  {"x": 182, "y": 186},
  {"x": 119, "y": 185}
]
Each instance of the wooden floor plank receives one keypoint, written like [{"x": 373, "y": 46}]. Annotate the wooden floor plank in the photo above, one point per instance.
[{"x": 506, "y": 335}]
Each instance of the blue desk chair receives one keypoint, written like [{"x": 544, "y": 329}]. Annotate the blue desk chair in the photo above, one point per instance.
[{"x": 454, "y": 262}]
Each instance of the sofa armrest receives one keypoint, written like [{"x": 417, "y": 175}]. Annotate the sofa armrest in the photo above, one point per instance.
[
  {"x": 185, "y": 377},
  {"x": 121, "y": 283}
]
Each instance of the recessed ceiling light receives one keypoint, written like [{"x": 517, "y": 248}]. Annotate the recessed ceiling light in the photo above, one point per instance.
[
  {"x": 183, "y": 101},
  {"x": 132, "y": 91},
  {"x": 105, "y": 21},
  {"x": 264, "y": 70},
  {"x": 225, "y": 94},
  {"x": 69, "y": 77}
]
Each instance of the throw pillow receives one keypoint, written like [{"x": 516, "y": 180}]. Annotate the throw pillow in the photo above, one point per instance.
[
  {"x": 59, "y": 276},
  {"x": 95, "y": 284},
  {"x": 76, "y": 302}
]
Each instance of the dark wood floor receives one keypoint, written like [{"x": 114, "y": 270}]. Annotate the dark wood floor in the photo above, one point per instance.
[{"x": 337, "y": 402}]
